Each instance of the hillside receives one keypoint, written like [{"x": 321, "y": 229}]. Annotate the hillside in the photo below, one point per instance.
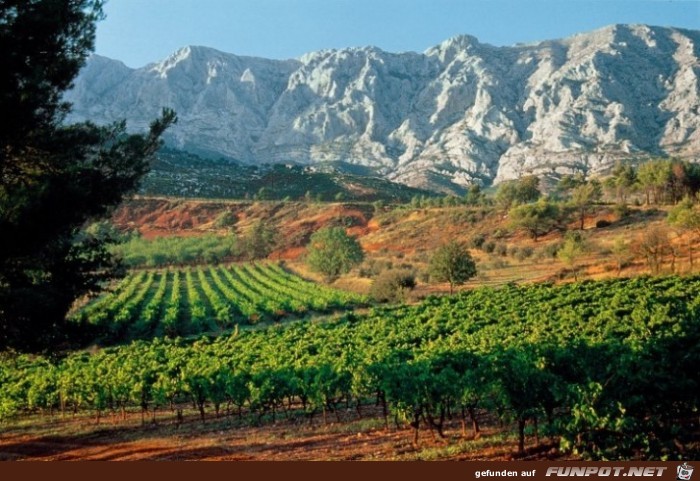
[
  {"x": 408, "y": 236},
  {"x": 181, "y": 174},
  {"x": 460, "y": 112}
]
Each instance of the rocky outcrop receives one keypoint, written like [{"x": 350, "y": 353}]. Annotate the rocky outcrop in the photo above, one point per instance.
[{"x": 459, "y": 112}]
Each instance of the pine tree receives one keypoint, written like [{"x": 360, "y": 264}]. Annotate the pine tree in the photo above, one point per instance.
[{"x": 54, "y": 178}]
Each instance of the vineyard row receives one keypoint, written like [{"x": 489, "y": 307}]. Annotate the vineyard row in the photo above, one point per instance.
[
  {"x": 609, "y": 368},
  {"x": 204, "y": 299}
]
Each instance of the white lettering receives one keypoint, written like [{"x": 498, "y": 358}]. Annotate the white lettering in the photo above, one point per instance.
[{"x": 598, "y": 471}]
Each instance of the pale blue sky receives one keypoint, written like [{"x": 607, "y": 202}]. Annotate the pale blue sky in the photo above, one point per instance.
[{"x": 141, "y": 31}]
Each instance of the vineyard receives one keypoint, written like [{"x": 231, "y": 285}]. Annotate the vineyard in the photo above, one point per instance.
[
  {"x": 205, "y": 299},
  {"x": 609, "y": 369}
]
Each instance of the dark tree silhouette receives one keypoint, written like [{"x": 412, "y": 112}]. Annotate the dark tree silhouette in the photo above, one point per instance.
[{"x": 54, "y": 178}]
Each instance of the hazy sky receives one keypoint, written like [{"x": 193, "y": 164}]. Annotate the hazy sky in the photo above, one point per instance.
[{"x": 141, "y": 31}]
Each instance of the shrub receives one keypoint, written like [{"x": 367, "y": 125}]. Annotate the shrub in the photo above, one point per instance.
[
  {"x": 424, "y": 276},
  {"x": 372, "y": 268},
  {"x": 477, "y": 241},
  {"x": 549, "y": 251},
  {"x": 393, "y": 285},
  {"x": 225, "y": 219},
  {"x": 621, "y": 211},
  {"x": 524, "y": 253},
  {"x": 500, "y": 233},
  {"x": 498, "y": 263},
  {"x": 501, "y": 250},
  {"x": 344, "y": 221}
]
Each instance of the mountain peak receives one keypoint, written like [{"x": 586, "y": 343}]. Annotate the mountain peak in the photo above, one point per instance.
[
  {"x": 190, "y": 54},
  {"x": 461, "y": 41},
  {"x": 454, "y": 46},
  {"x": 463, "y": 111},
  {"x": 195, "y": 53}
]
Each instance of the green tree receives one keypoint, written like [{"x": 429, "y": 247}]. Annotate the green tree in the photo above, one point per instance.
[
  {"x": 450, "y": 201},
  {"x": 260, "y": 241},
  {"x": 685, "y": 216},
  {"x": 54, "y": 178},
  {"x": 646, "y": 176},
  {"x": 584, "y": 197},
  {"x": 506, "y": 194},
  {"x": 571, "y": 252},
  {"x": 655, "y": 177},
  {"x": 474, "y": 195},
  {"x": 332, "y": 252},
  {"x": 620, "y": 252},
  {"x": 568, "y": 183},
  {"x": 669, "y": 180},
  {"x": 623, "y": 182},
  {"x": 528, "y": 189},
  {"x": 520, "y": 191},
  {"x": 536, "y": 219},
  {"x": 452, "y": 263}
]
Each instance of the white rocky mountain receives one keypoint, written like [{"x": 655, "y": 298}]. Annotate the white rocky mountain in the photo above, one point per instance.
[{"x": 459, "y": 112}]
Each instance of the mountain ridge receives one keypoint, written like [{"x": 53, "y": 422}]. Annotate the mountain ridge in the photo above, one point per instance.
[{"x": 462, "y": 111}]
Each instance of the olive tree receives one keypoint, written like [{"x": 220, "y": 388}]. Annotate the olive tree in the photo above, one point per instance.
[{"x": 452, "y": 263}]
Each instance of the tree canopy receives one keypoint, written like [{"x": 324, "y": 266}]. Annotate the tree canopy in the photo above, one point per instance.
[
  {"x": 452, "y": 263},
  {"x": 571, "y": 251},
  {"x": 537, "y": 219},
  {"x": 55, "y": 178},
  {"x": 583, "y": 197},
  {"x": 686, "y": 217},
  {"x": 519, "y": 191},
  {"x": 260, "y": 241},
  {"x": 333, "y": 252}
]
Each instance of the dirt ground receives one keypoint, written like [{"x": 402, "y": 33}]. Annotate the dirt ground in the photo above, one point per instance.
[{"x": 226, "y": 439}]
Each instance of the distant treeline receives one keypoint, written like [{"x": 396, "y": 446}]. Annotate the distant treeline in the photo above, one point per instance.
[{"x": 656, "y": 181}]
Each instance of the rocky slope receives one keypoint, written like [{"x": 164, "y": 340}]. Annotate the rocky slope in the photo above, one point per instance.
[{"x": 460, "y": 111}]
